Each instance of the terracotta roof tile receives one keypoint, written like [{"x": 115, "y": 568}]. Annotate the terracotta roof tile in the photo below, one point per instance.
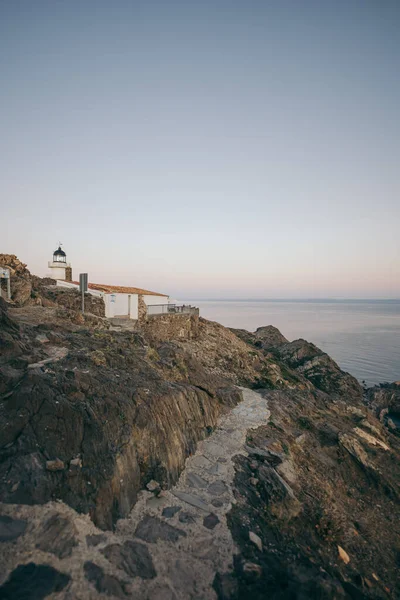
[{"x": 119, "y": 289}]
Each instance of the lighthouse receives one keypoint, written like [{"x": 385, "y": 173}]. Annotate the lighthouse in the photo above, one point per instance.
[{"x": 59, "y": 268}]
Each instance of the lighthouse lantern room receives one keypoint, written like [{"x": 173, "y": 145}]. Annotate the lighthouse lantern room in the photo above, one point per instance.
[{"x": 59, "y": 268}]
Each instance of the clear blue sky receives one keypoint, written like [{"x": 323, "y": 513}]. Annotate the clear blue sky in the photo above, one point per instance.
[{"x": 206, "y": 148}]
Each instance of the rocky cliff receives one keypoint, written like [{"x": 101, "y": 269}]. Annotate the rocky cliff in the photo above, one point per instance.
[
  {"x": 384, "y": 401},
  {"x": 30, "y": 290},
  {"x": 90, "y": 417},
  {"x": 306, "y": 360}
]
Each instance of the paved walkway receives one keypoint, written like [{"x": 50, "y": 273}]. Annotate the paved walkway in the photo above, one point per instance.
[
  {"x": 185, "y": 530},
  {"x": 170, "y": 547}
]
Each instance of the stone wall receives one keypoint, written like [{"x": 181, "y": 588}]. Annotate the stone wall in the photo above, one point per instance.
[
  {"x": 68, "y": 274},
  {"x": 142, "y": 309},
  {"x": 170, "y": 327}
]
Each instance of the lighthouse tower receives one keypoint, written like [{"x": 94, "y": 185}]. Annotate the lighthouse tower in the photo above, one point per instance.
[{"x": 59, "y": 268}]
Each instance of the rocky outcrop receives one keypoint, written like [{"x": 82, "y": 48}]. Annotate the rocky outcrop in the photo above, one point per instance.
[
  {"x": 20, "y": 279},
  {"x": 264, "y": 337},
  {"x": 305, "y": 359},
  {"x": 223, "y": 353},
  {"x": 269, "y": 337},
  {"x": 103, "y": 411},
  {"x": 320, "y": 490},
  {"x": 319, "y": 368},
  {"x": 71, "y": 299},
  {"x": 384, "y": 400},
  {"x": 30, "y": 290},
  {"x": 142, "y": 309}
]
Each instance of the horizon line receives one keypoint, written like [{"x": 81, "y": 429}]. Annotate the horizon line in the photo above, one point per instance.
[{"x": 342, "y": 299}]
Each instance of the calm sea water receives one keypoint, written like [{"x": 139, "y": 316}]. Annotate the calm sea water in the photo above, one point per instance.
[{"x": 362, "y": 336}]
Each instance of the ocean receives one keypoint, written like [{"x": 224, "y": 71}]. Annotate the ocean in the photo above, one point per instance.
[{"x": 363, "y": 336}]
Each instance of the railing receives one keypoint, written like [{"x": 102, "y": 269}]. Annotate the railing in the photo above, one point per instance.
[
  {"x": 171, "y": 309},
  {"x": 58, "y": 263}
]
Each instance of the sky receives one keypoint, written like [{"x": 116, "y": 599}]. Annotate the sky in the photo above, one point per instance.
[{"x": 213, "y": 149}]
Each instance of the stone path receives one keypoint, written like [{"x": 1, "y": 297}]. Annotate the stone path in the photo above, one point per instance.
[
  {"x": 170, "y": 548},
  {"x": 185, "y": 530}
]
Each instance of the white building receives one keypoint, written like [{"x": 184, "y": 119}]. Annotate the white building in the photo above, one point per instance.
[{"x": 120, "y": 301}]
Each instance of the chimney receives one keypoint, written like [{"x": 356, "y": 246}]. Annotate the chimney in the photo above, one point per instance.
[{"x": 68, "y": 274}]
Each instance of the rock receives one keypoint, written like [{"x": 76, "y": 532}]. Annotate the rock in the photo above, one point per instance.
[
  {"x": 288, "y": 471},
  {"x": 21, "y": 290},
  {"x": 321, "y": 370},
  {"x": 191, "y": 499},
  {"x": 195, "y": 480},
  {"x": 161, "y": 592},
  {"x": 217, "y": 503},
  {"x": 226, "y": 586},
  {"x": 252, "y": 570},
  {"x": 343, "y": 555},
  {"x": 151, "y": 529},
  {"x": 353, "y": 447},
  {"x": 217, "y": 488},
  {"x": 76, "y": 463},
  {"x": 382, "y": 414},
  {"x": 370, "y": 438},
  {"x": 270, "y": 337},
  {"x": 215, "y": 450},
  {"x": 253, "y": 537},
  {"x": 42, "y": 338},
  {"x": 95, "y": 539},
  {"x": 170, "y": 511},
  {"x": 58, "y": 536},
  {"x": 210, "y": 521},
  {"x": 97, "y": 356},
  {"x": 104, "y": 584},
  {"x": 55, "y": 465},
  {"x": 11, "y": 529},
  {"x": 216, "y": 469},
  {"x": 187, "y": 517},
  {"x": 301, "y": 439},
  {"x": 356, "y": 412},
  {"x": 132, "y": 557},
  {"x": 272, "y": 457},
  {"x": 183, "y": 577},
  {"x": 33, "y": 582},
  {"x": 153, "y": 486},
  {"x": 156, "y": 502},
  {"x": 384, "y": 399},
  {"x": 200, "y": 461},
  {"x": 253, "y": 481}
]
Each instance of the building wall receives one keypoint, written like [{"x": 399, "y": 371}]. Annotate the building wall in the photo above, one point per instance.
[
  {"x": 134, "y": 306},
  {"x": 57, "y": 272},
  {"x": 122, "y": 306},
  {"x": 155, "y": 299}
]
